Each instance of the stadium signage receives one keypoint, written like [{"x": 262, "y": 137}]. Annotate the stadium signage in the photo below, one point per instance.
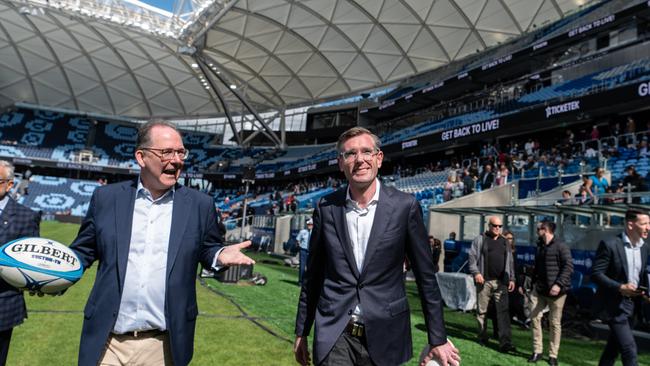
[
  {"x": 307, "y": 168},
  {"x": 229, "y": 176},
  {"x": 593, "y": 25},
  {"x": 287, "y": 172},
  {"x": 387, "y": 104},
  {"x": 437, "y": 85},
  {"x": 470, "y": 130},
  {"x": 496, "y": 62},
  {"x": 192, "y": 175},
  {"x": 540, "y": 45},
  {"x": 264, "y": 175},
  {"x": 409, "y": 144},
  {"x": 463, "y": 75},
  {"x": 644, "y": 89},
  {"x": 562, "y": 108},
  {"x": 92, "y": 168},
  {"x": 332, "y": 162},
  {"x": 22, "y": 161}
]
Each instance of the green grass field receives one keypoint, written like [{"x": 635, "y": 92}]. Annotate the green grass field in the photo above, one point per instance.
[{"x": 258, "y": 331}]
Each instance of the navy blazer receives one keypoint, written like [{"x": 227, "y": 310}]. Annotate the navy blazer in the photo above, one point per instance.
[
  {"x": 105, "y": 236},
  {"x": 609, "y": 272},
  {"x": 333, "y": 285},
  {"x": 16, "y": 221}
]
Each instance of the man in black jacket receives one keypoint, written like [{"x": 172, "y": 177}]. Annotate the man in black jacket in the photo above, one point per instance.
[
  {"x": 551, "y": 280},
  {"x": 620, "y": 272}
]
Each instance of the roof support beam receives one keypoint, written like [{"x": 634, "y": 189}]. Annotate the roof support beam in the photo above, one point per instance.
[{"x": 205, "y": 70}]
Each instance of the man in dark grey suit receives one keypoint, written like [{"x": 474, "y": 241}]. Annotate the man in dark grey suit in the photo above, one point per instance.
[
  {"x": 353, "y": 291},
  {"x": 621, "y": 274},
  {"x": 16, "y": 221}
]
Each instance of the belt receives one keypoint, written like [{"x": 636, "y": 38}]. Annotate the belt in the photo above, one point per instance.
[
  {"x": 355, "y": 329},
  {"x": 141, "y": 333}
]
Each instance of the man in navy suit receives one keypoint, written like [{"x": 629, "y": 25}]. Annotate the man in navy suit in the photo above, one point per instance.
[
  {"x": 353, "y": 289},
  {"x": 16, "y": 221},
  {"x": 620, "y": 272},
  {"x": 148, "y": 236}
]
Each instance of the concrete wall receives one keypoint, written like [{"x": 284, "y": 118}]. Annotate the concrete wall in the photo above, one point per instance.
[{"x": 440, "y": 225}]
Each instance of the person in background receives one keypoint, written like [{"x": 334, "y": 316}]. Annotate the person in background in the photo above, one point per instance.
[
  {"x": 502, "y": 175},
  {"x": 16, "y": 221},
  {"x": 551, "y": 281},
  {"x": 469, "y": 182},
  {"x": 620, "y": 271},
  {"x": 303, "y": 238},
  {"x": 566, "y": 198},
  {"x": 487, "y": 177},
  {"x": 599, "y": 183},
  {"x": 635, "y": 182},
  {"x": 437, "y": 254},
  {"x": 492, "y": 265}
]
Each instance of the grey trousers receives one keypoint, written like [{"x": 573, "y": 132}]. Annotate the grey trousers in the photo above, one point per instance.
[{"x": 499, "y": 292}]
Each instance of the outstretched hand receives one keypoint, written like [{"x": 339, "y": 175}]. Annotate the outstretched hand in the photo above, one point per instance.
[{"x": 231, "y": 255}]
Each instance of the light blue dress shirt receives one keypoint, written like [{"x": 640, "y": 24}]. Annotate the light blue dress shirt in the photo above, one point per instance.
[
  {"x": 142, "y": 306},
  {"x": 633, "y": 256},
  {"x": 303, "y": 238}
]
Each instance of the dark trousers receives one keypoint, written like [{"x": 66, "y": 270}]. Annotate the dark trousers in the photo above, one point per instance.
[
  {"x": 5, "y": 338},
  {"x": 304, "y": 253},
  {"x": 621, "y": 339},
  {"x": 348, "y": 351}
]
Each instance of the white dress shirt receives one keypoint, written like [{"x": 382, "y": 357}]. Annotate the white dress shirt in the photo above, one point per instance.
[
  {"x": 359, "y": 222},
  {"x": 142, "y": 306},
  {"x": 633, "y": 257}
]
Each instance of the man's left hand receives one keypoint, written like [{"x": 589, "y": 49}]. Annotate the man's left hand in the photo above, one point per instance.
[
  {"x": 231, "y": 255},
  {"x": 511, "y": 286},
  {"x": 446, "y": 354},
  {"x": 555, "y": 290}
]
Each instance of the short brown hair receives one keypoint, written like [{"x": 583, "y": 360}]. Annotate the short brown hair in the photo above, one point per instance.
[
  {"x": 633, "y": 214},
  {"x": 144, "y": 139},
  {"x": 354, "y": 132}
]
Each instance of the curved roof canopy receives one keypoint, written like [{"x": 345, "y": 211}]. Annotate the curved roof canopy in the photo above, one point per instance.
[{"x": 113, "y": 57}]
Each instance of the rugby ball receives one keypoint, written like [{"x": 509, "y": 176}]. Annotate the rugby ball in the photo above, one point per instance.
[{"x": 39, "y": 264}]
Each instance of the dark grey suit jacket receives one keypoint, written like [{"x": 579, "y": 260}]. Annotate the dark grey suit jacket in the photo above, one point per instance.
[
  {"x": 609, "y": 272},
  {"x": 16, "y": 221},
  {"x": 333, "y": 286}
]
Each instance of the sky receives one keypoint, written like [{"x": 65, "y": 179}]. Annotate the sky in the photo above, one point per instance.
[{"x": 167, "y": 5}]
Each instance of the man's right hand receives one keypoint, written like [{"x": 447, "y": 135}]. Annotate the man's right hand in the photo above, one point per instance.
[
  {"x": 629, "y": 290},
  {"x": 478, "y": 278},
  {"x": 301, "y": 351}
]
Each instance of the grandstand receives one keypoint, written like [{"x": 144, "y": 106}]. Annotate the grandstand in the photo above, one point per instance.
[{"x": 449, "y": 86}]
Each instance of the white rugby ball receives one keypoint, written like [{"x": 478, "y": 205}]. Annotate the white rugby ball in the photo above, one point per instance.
[{"x": 39, "y": 264}]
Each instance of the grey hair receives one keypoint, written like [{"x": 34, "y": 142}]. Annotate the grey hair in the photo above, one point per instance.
[
  {"x": 144, "y": 137},
  {"x": 354, "y": 132},
  {"x": 9, "y": 167}
]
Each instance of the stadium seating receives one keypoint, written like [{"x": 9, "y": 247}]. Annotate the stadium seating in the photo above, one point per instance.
[{"x": 59, "y": 195}]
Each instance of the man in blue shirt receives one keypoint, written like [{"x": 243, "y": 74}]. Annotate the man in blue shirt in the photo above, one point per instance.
[
  {"x": 148, "y": 235},
  {"x": 303, "y": 242}
]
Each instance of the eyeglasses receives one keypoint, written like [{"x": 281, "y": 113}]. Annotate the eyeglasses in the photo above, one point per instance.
[
  {"x": 353, "y": 155},
  {"x": 497, "y": 226},
  {"x": 3, "y": 181},
  {"x": 168, "y": 154}
]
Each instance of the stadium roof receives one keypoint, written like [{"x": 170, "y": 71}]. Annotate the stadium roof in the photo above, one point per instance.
[{"x": 126, "y": 58}]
